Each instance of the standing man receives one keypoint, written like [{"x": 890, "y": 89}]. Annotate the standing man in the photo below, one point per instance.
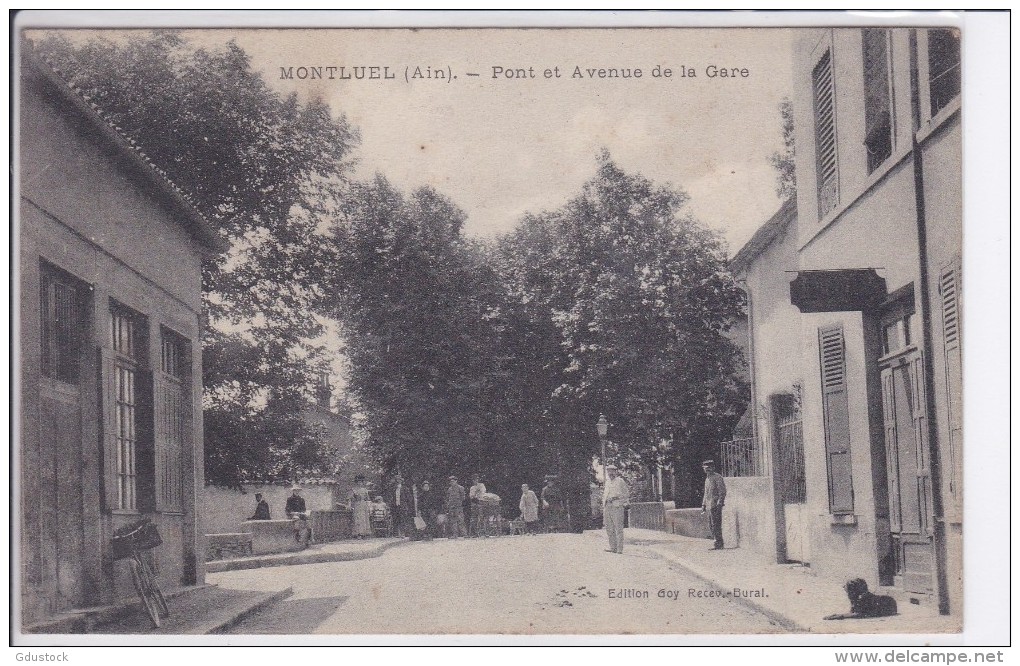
[
  {"x": 615, "y": 498},
  {"x": 713, "y": 500},
  {"x": 403, "y": 507},
  {"x": 475, "y": 499},
  {"x": 427, "y": 509},
  {"x": 455, "y": 509},
  {"x": 552, "y": 505}
]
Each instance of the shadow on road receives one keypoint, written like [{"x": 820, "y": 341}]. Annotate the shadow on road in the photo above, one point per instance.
[{"x": 293, "y": 616}]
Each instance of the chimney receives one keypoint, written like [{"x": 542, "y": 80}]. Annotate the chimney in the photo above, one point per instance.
[{"x": 323, "y": 391}]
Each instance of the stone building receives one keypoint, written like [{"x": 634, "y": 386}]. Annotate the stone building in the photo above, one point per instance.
[
  {"x": 109, "y": 359},
  {"x": 855, "y": 316}
]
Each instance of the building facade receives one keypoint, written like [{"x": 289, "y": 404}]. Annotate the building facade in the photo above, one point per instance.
[
  {"x": 109, "y": 356},
  {"x": 863, "y": 428}
]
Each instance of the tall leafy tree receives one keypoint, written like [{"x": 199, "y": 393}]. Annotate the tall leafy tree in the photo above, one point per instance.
[
  {"x": 255, "y": 164},
  {"x": 637, "y": 295}
]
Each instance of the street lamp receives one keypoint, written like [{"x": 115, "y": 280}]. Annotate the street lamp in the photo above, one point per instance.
[{"x": 603, "y": 428}]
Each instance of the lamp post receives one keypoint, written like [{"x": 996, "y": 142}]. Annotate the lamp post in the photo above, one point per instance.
[{"x": 603, "y": 428}]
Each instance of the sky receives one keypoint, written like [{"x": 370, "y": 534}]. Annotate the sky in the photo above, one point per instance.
[{"x": 500, "y": 147}]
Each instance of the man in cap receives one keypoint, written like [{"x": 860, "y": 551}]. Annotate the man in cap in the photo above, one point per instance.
[
  {"x": 295, "y": 510},
  {"x": 615, "y": 498},
  {"x": 455, "y": 509},
  {"x": 713, "y": 500}
]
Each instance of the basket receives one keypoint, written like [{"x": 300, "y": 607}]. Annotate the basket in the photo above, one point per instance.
[{"x": 142, "y": 535}]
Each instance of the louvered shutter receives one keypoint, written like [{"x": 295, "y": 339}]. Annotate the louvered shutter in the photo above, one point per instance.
[
  {"x": 892, "y": 461},
  {"x": 836, "y": 413},
  {"x": 825, "y": 135},
  {"x": 170, "y": 425},
  {"x": 949, "y": 288},
  {"x": 920, "y": 413}
]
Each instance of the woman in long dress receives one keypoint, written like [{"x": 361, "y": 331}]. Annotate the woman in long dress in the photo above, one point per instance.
[
  {"x": 529, "y": 508},
  {"x": 362, "y": 508}
]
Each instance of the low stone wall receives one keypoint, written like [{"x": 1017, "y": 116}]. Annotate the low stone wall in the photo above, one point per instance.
[
  {"x": 688, "y": 522},
  {"x": 749, "y": 520},
  {"x": 223, "y": 510},
  {"x": 227, "y": 545},
  {"x": 331, "y": 525},
  {"x": 648, "y": 515},
  {"x": 271, "y": 536}
]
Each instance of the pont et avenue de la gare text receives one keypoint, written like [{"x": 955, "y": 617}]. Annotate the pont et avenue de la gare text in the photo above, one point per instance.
[{"x": 446, "y": 73}]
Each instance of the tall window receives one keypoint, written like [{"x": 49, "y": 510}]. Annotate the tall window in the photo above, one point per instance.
[
  {"x": 172, "y": 420},
  {"x": 877, "y": 109},
  {"x": 63, "y": 322},
  {"x": 128, "y": 341},
  {"x": 943, "y": 67},
  {"x": 825, "y": 135}
]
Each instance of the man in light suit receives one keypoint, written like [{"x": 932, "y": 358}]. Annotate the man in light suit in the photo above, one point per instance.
[
  {"x": 713, "y": 500},
  {"x": 615, "y": 498}
]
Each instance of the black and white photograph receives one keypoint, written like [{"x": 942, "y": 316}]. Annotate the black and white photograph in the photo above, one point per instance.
[{"x": 516, "y": 330}]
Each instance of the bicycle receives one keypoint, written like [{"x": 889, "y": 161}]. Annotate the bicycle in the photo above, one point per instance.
[{"x": 133, "y": 541}]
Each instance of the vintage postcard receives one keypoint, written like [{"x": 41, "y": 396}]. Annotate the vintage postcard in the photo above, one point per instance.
[{"x": 488, "y": 330}]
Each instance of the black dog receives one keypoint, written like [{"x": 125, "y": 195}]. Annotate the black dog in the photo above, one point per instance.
[{"x": 863, "y": 603}]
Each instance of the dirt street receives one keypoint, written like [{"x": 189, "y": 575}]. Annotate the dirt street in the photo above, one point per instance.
[{"x": 559, "y": 583}]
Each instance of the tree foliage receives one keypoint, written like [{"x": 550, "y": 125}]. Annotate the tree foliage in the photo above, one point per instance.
[
  {"x": 255, "y": 163},
  {"x": 783, "y": 162},
  {"x": 637, "y": 294}
]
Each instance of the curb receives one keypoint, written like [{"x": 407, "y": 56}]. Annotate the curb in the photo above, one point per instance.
[
  {"x": 304, "y": 557},
  {"x": 244, "y": 612}
]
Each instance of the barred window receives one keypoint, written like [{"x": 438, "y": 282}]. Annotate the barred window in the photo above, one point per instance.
[
  {"x": 943, "y": 67},
  {"x": 878, "y": 136},
  {"x": 63, "y": 324}
]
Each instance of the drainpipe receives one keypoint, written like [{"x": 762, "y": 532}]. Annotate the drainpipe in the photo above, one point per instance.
[{"x": 935, "y": 465}]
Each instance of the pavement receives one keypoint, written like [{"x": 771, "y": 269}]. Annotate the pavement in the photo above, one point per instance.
[
  {"x": 542, "y": 584},
  {"x": 201, "y": 609},
  {"x": 792, "y": 595},
  {"x": 545, "y": 584}
]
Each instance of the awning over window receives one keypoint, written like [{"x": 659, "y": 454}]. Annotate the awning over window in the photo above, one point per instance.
[{"x": 844, "y": 290}]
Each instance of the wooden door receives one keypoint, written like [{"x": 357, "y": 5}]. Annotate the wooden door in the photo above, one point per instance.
[{"x": 910, "y": 514}]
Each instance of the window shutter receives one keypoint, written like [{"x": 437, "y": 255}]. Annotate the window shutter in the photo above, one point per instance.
[
  {"x": 920, "y": 414},
  {"x": 145, "y": 463},
  {"x": 108, "y": 406},
  {"x": 836, "y": 413},
  {"x": 949, "y": 287},
  {"x": 171, "y": 423},
  {"x": 825, "y": 135},
  {"x": 892, "y": 462}
]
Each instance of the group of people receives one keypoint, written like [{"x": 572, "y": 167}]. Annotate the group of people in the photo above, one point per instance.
[
  {"x": 616, "y": 498},
  {"x": 424, "y": 512}
]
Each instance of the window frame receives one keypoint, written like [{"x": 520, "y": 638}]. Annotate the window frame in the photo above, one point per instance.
[{"x": 129, "y": 356}]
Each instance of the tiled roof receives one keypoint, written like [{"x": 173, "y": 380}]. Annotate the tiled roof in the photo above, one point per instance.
[{"x": 201, "y": 227}]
